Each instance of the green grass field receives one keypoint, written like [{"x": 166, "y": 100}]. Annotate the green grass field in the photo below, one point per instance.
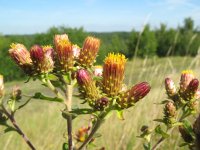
[{"x": 44, "y": 125}]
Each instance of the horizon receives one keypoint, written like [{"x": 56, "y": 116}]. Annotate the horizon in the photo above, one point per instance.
[{"x": 37, "y": 16}]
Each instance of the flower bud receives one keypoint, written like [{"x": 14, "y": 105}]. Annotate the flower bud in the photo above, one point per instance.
[
  {"x": 98, "y": 70},
  {"x": 170, "y": 87},
  {"x": 21, "y": 56},
  {"x": 169, "y": 114},
  {"x": 42, "y": 58},
  {"x": 133, "y": 95},
  {"x": 88, "y": 88},
  {"x": 101, "y": 103},
  {"x": 170, "y": 109},
  {"x": 76, "y": 50},
  {"x": 190, "y": 92},
  {"x": 89, "y": 52},
  {"x": 113, "y": 74},
  {"x": 186, "y": 77},
  {"x": 16, "y": 93},
  {"x": 65, "y": 53},
  {"x": 1, "y": 86},
  {"x": 185, "y": 135}
]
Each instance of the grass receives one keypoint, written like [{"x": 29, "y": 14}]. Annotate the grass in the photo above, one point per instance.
[{"x": 43, "y": 124}]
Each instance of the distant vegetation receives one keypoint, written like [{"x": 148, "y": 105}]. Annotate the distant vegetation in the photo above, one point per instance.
[{"x": 161, "y": 42}]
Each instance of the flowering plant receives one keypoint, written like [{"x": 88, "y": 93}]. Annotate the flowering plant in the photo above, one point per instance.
[
  {"x": 64, "y": 67},
  {"x": 181, "y": 103}
]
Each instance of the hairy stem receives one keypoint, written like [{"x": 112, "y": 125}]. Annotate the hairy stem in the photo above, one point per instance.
[
  {"x": 68, "y": 102},
  {"x": 51, "y": 86},
  {"x": 18, "y": 129},
  {"x": 94, "y": 130}
]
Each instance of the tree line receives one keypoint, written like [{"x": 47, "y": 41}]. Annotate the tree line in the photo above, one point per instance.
[{"x": 162, "y": 41}]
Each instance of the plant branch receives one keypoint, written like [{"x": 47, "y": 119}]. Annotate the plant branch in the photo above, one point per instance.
[
  {"x": 18, "y": 129},
  {"x": 94, "y": 130}
]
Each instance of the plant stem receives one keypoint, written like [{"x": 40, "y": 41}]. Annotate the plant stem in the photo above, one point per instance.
[
  {"x": 94, "y": 129},
  {"x": 51, "y": 86},
  {"x": 13, "y": 121},
  {"x": 68, "y": 102}
]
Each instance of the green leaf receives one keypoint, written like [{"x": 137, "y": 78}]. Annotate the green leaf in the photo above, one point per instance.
[
  {"x": 159, "y": 120},
  {"x": 147, "y": 146},
  {"x": 184, "y": 144},
  {"x": 188, "y": 127},
  {"x": 82, "y": 111},
  {"x": 160, "y": 131},
  {"x": 65, "y": 146},
  {"x": 120, "y": 114},
  {"x": 52, "y": 77},
  {"x": 40, "y": 96},
  {"x": 97, "y": 135}
]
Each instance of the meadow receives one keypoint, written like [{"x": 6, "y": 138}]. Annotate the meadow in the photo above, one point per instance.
[{"x": 44, "y": 125}]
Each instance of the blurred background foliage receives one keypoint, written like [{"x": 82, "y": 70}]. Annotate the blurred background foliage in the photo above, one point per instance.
[{"x": 149, "y": 42}]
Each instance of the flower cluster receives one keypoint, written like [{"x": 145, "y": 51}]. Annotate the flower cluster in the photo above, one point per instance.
[
  {"x": 99, "y": 86},
  {"x": 183, "y": 97},
  {"x": 109, "y": 88}
]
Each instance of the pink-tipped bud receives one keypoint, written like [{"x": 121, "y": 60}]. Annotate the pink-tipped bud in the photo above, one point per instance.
[
  {"x": 101, "y": 103},
  {"x": 133, "y": 95},
  {"x": 88, "y": 88},
  {"x": 98, "y": 71},
  {"x": 83, "y": 77},
  {"x": 186, "y": 77},
  {"x": 190, "y": 92},
  {"x": 139, "y": 91},
  {"x": 1, "y": 86},
  {"x": 21, "y": 56},
  {"x": 65, "y": 52},
  {"x": 193, "y": 85},
  {"x": 170, "y": 87},
  {"x": 42, "y": 58},
  {"x": 89, "y": 51},
  {"x": 76, "y": 50}
]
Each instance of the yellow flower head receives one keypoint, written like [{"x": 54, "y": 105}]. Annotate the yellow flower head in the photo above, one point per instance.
[
  {"x": 89, "y": 51},
  {"x": 186, "y": 77},
  {"x": 113, "y": 73},
  {"x": 64, "y": 52}
]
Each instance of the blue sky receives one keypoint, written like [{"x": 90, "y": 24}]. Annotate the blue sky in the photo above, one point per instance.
[{"x": 33, "y": 16}]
